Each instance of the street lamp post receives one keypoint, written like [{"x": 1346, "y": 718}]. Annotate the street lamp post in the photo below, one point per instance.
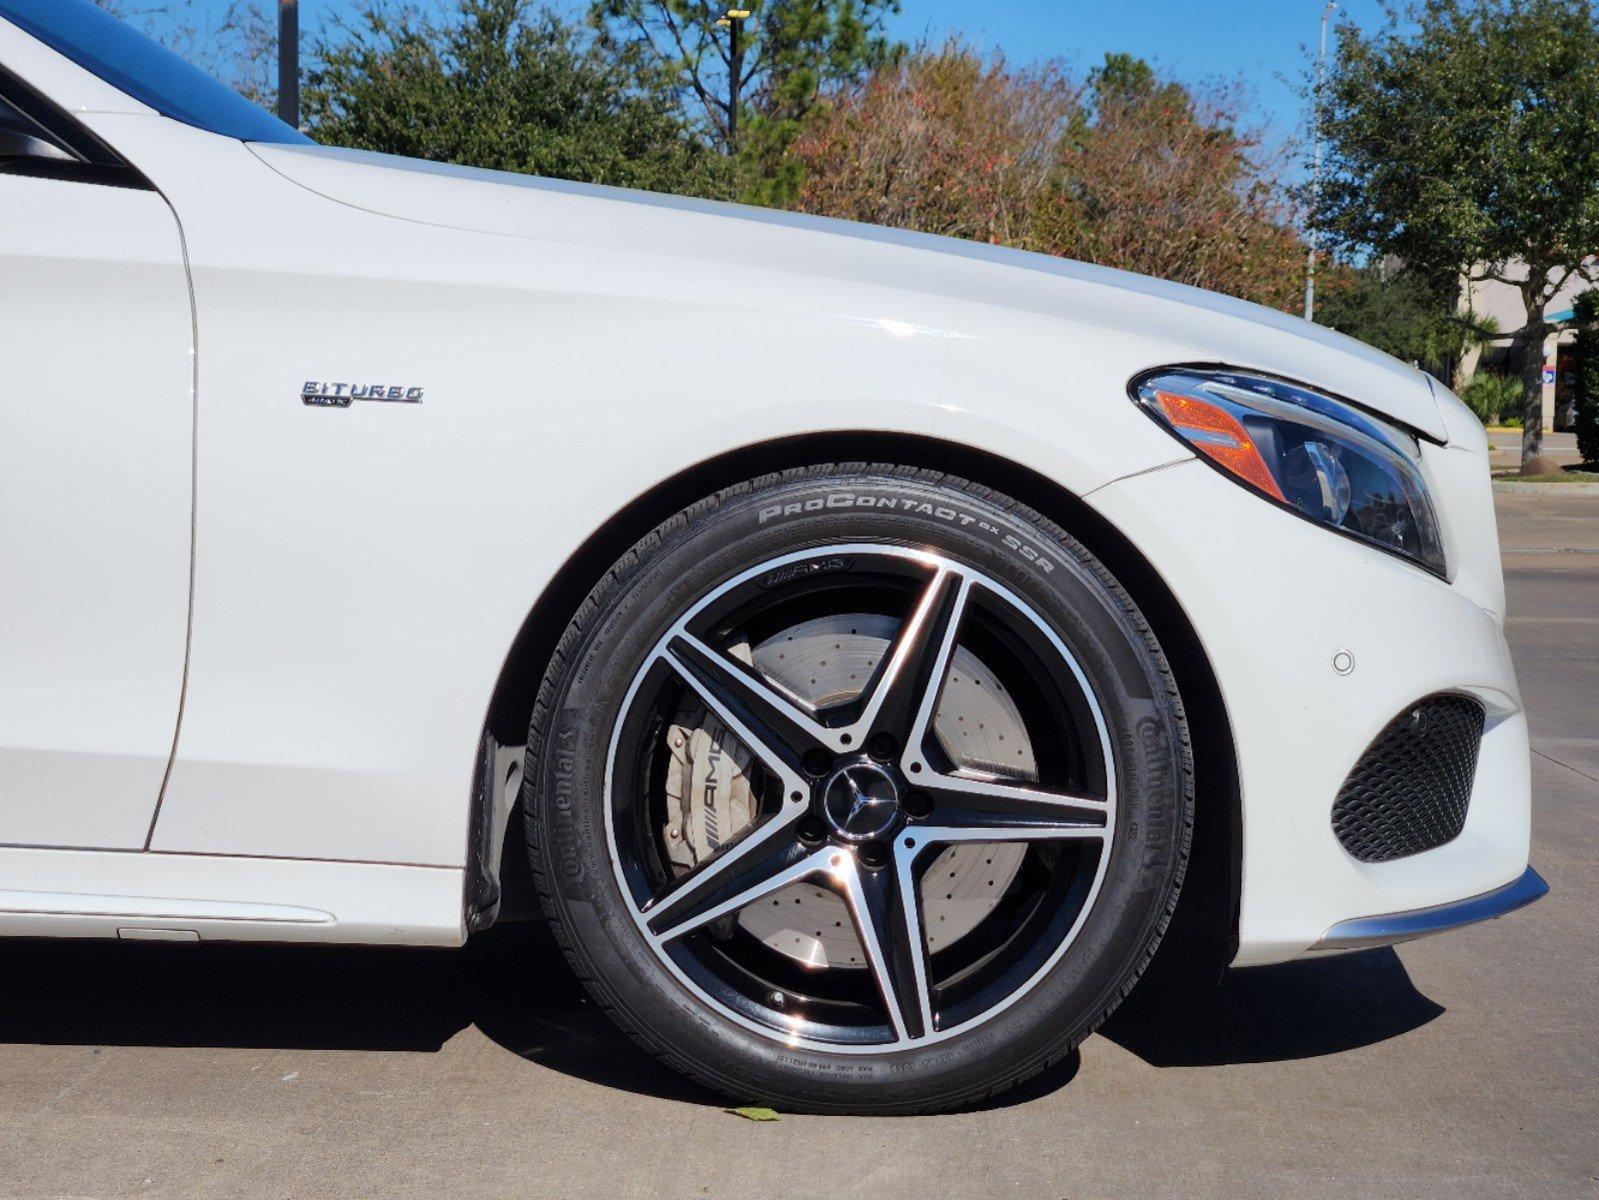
[
  {"x": 733, "y": 21},
  {"x": 289, "y": 61},
  {"x": 1315, "y": 176}
]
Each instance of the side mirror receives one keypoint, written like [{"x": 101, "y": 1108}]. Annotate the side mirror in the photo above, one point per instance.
[{"x": 15, "y": 143}]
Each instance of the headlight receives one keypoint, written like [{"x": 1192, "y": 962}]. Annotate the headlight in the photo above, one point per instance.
[{"x": 1317, "y": 456}]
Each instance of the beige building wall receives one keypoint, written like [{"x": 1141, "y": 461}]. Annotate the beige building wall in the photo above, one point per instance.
[{"x": 1501, "y": 301}]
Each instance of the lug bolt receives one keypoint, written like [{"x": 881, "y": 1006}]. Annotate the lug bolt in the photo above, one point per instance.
[
  {"x": 817, "y": 762},
  {"x": 874, "y": 854},
  {"x": 919, "y": 805},
  {"x": 812, "y": 831},
  {"x": 883, "y": 747}
]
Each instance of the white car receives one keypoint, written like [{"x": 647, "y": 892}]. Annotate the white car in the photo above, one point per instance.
[{"x": 860, "y": 634}]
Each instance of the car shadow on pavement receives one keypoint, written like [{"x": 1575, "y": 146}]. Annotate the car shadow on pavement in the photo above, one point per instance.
[
  {"x": 514, "y": 986},
  {"x": 1272, "y": 1014},
  {"x": 102, "y": 993},
  {"x": 512, "y": 983},
  {"x": 566, "y": 1031}
]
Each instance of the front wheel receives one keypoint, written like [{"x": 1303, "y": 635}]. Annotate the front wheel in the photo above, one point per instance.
[{"x": 858, "y": 789}]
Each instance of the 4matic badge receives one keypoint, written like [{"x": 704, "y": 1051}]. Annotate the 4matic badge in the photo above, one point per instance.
[{"x": 339, "y": 395}]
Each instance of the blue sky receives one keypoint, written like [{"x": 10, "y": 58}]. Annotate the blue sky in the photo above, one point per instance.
[{"x": 1258, "y": 42}]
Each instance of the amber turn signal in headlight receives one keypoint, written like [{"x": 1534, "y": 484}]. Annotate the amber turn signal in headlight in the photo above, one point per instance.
[{"x": 1316, "y": 455}]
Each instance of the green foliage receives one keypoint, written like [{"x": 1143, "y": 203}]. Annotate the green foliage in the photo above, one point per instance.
[
  {"x": 1587, "y": 349},
  {"x": 1401, "y": 314},
  {"x": 752, "y": 86},
  {"x": 1128, "y": 79},
  {"x": 1463, "y": 138},
  {"x": 501, "y": 86},
  {"x": 1492, "y": 397},
  {"x": 1470, "y": 141}
]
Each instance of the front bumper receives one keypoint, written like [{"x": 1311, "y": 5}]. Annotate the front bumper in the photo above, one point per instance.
[
  {"x": 1366, "y": 932},
  {"x": 1276, "y": 602}
]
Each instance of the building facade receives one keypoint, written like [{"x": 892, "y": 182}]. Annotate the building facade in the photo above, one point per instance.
[{"x": 1502, "y": 302}]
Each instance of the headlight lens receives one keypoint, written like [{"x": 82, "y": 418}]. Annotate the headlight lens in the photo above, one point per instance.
[{"x": 1318, "y": 456}]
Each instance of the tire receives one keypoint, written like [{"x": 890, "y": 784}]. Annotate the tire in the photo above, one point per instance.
[{"x": 1041, "y": 967}]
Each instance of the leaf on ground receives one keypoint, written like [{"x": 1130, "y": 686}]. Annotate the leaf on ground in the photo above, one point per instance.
[{"x": 754, "y": 1114}]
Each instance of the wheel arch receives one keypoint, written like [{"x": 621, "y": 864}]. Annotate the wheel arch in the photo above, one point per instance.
[{"x": 1203, "y": 933}]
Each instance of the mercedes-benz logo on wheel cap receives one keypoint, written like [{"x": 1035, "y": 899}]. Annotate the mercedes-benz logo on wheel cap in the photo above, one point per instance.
[{"x": 860, "y": 801}]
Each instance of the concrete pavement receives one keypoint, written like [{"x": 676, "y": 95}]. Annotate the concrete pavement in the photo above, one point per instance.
[{"x": 1466, "y": 1066}]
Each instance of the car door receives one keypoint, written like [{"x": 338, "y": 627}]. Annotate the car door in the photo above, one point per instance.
[{"x": 96, "y": 457}]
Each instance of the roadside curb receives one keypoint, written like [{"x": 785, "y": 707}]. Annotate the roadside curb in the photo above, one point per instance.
[{"x": 1546, "y": 489}]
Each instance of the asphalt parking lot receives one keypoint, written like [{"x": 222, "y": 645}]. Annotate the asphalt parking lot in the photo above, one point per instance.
[{"x": 1467, "y": 1066}]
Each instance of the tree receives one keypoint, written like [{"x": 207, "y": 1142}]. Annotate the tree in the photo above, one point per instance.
[
  {"x": 1171, "y": 181},
  {"x": 1402, "y": 314},
  {"x": 1129, "y": 78},
  {"x": 236, "y": 43},
  {"x": 499, "y": 86},
  {"x": 1124, "y": 169},
  {"x": 944, "y": 142},
  {"x": 1586, "y": 315},
  {"x": 1463, "y": 139},
  {"x": 752, "y": 83}
]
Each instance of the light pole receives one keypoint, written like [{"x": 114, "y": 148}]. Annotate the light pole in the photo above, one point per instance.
[
  {"x": 1315, "y": 171},
  {"x": 289, "y": 62},
  {"x": 733, "y": 21}
]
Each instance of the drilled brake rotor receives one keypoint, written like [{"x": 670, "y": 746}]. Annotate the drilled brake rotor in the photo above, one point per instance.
[{"x": 827, "y": 661}]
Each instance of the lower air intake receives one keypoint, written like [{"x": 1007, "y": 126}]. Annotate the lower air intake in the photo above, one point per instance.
[{"x": 1410, "y": 789}]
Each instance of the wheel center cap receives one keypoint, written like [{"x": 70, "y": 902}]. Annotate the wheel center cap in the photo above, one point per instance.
[{"x": 860, "y": 801}]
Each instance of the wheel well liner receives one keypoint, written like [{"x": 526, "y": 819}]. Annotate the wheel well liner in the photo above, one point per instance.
[{"x": 1203, "y": 933}]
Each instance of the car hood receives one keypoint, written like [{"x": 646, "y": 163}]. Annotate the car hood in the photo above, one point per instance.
[{"x": 1188, "y": 324}]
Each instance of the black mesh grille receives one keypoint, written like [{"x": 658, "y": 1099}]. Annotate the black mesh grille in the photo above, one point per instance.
[{"x": 1409, "y": 791}]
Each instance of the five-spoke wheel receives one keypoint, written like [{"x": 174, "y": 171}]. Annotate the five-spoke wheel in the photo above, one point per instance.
[
  {"x": 857, "y": 793},
  {"x": 858, "y": 789}
]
